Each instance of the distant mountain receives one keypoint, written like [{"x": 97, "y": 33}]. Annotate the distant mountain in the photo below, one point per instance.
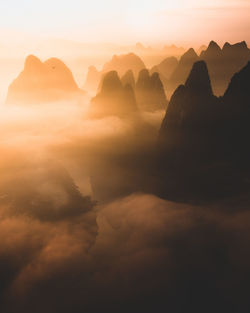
[
  {"x": 92, "y": 79},
  {"x": 128, "y": 79},
  {"x": 114, "y": 99},
  {"x": 204, "y": 151},
  {"x": 173, "y": 50},
  {"x": 150, "y": 93},
  {"x": 42, "y": 82},
  {"x": 223, "y": 63},
  {"x": 202, "y": 48},
  {"x": 165, "y": 69},
  {"x": 121, "y": 64}
]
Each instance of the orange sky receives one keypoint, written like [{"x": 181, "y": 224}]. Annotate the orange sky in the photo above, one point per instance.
[{"x": 179, "y": 21}]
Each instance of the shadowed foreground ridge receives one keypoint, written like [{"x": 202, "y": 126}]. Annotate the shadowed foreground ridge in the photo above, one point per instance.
[{"x": 204, "y": 139}]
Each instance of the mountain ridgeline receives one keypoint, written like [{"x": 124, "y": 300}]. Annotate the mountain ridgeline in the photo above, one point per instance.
[
  {"x": 125, "y": 96},
  {"x": 42, "y": 82},
  {"x": 119, "y": 63},
  {"x": 204, "y": 146},
  {"x": 114, "y": 99},
  {"x": 222, "y": 63}
]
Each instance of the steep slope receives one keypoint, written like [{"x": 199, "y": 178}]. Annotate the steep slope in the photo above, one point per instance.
[
  {"x": 203, "y": 150},
  {"x": 150, "y": 93},
  {"x": 128, "y": 79},
  {"x": 166, "y": 67},
  {"x": 113, "y": 98},
  {"x": 122, "y": 64},
  {"x": 181, "y": 72}
]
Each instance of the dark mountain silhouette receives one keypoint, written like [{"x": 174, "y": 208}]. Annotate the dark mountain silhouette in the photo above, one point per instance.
[
  {"x": 42, "y": 82},
  {"x": 183, "y": 68},
  {"x": 150, "y": 93},
  {"x": 113, "y": 98},
  {"x": 204, "y": 151},
  {"x": 123, "y": 63},
  {"x": 223, "y": 63},
  {"x": 128, "y": 79}
]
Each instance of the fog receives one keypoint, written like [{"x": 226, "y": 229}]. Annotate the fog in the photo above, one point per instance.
[
  {"x": 78, "y": 235},
  {"x": 83, "y": 230}
]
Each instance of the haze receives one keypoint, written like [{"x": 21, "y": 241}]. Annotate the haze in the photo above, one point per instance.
[{"x": 150, "y": 21}]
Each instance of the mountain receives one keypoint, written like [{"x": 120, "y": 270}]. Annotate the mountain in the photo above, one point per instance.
[
  {"x": 202, "y": 48},
  {"x": 150, "y": 93},
  {"x": 223, "y": 63},
  {"x": 114, "y": 99},
  {"x": 92, "y": 79},
  {"x": 165, "y": 69},
  {"x": 128, "y": 79},
  {"x": 203, "y": 141},
  {"x": 173, "y": 50},
  {"x": 123, "y": 63},
  {"x": 119, "y": 63},
  {"x": 184, "y": 66},
  {"x": 42, "y": 82}
]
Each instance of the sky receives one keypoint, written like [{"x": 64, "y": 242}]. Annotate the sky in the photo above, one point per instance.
[{"x": 148, "y": 21}]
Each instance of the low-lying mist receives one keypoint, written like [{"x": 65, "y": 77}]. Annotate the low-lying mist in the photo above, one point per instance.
[{"x": 79, "y": 231}]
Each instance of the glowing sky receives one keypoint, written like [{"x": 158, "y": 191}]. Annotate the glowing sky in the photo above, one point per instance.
[{"x": 129, "y": 20}]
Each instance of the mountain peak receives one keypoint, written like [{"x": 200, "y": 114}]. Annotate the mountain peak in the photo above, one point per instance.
[
  {"x": 128, "y": 78},
  {"x": 189, "y": 54},
  {"x": 111, "y": 81},
  {"x": 199, "y": 80},
  {"x": 242, "y": 45},
  {"x": 144, "y": 74},
  {"x": 32, "y": 62},
  {"x": 239, "y": 45},
  {"x": 213, "y": 46}
]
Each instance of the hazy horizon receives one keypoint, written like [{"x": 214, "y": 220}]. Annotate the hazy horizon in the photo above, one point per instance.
[
  {"x": 125, "y": 173},
  {"x": 180, "y": 22}
]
